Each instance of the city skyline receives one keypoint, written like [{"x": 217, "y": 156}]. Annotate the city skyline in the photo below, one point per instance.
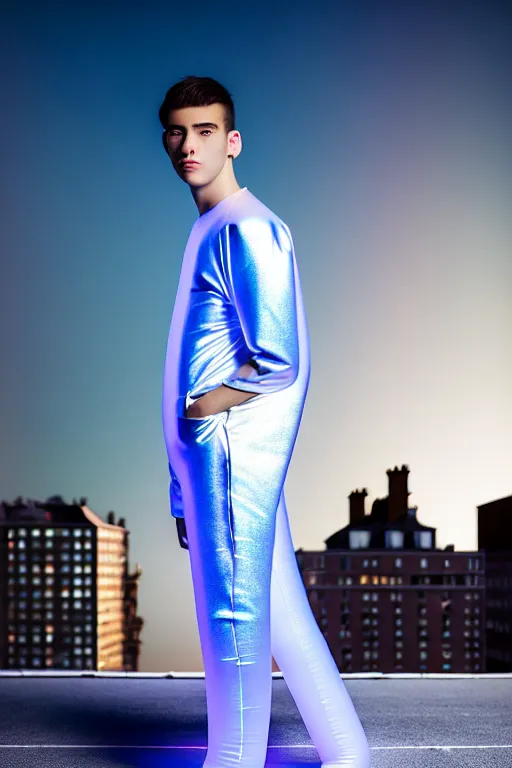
[
  {"x": 377, "y": 590},
  {"x": 386, "y": 535}
]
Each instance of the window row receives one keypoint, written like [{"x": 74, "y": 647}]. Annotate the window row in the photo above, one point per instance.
[{"x": 49, "y": 532}]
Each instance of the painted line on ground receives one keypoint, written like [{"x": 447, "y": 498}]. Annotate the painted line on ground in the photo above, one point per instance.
[{"x": 273, "y": 746}]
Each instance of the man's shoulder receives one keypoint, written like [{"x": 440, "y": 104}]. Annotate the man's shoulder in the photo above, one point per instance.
[
  {"x": 256, "y": 226},
  {"x": 251, "y": 213}
]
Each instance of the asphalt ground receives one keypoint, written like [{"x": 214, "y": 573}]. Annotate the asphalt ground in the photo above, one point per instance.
[{"x": 71, "y": 722}]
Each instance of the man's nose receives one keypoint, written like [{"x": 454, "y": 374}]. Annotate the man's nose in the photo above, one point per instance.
[{"x": 188, "y": 146}]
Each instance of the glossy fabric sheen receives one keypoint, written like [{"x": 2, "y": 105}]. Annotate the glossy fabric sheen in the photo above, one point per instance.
[{"x": 239, "y": 298}]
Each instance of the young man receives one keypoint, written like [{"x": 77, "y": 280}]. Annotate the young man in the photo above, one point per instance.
[{"x": 236, "y": 375}]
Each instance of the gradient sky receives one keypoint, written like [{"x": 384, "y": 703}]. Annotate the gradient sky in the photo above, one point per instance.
[{"x": 381, "y": 135}]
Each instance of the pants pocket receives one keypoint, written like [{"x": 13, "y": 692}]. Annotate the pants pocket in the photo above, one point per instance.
[{"x": 188, "y": 401}]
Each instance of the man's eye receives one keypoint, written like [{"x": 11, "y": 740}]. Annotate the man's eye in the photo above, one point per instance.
[{"x": 206, "y": 129}]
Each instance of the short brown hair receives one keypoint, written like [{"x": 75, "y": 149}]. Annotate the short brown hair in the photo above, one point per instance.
[{"x": 192, "y": 91}]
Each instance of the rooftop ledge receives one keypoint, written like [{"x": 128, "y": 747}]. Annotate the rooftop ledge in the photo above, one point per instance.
[{"x": 276, "y": 675}]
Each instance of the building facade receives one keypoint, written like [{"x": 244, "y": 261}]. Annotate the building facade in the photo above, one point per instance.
[
  {"x": 65, "y": 591},
  {"x": 387, "y": 600},
  {"x": 495, "y": 542}
]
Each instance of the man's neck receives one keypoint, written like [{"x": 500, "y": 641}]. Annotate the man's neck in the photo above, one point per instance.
[{"x": 207, "y": 197}]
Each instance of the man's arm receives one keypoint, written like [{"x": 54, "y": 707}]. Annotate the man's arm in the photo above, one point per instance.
[
  {"x": 257, "y": 265},
  {"x": 258, "y": 270}
]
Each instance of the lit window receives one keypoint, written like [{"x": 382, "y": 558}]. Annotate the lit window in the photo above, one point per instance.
[
  {"x": 424, "y": 562},
  {"x": 423, "y": 539},
  {"x": 359, "y": 539},
  {"x": 394, "y": 539}
]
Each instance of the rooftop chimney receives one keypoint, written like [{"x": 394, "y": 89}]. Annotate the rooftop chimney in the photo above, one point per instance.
[
  {"x": 356, "y": 507},
  {"x": 398, "y": 494}
]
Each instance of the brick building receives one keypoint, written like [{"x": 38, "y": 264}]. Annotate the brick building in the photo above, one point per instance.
[
  {"x": 388, "y": 600},
  {"x": 67, "y": 600},
  {"x": 495, "y": 542}
]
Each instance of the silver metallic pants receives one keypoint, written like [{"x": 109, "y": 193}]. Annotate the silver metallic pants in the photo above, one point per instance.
[{"x": 250, "y": 600}]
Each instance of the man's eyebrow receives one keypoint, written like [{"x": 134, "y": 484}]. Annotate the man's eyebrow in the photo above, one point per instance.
[{"x": 195, "y": 125}]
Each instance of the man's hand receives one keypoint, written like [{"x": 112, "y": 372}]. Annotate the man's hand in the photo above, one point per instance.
[
  {"x": 221, "y": 398},
  {"x": 182, "y": 532}
]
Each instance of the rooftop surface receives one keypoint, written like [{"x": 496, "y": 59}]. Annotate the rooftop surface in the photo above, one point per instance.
[{"x": 137, "y": 721}]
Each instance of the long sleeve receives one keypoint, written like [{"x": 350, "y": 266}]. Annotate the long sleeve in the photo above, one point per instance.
[{"x": 258, "y": 266}]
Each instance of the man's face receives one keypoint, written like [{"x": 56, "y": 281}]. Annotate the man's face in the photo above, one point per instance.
[{"x": 198, "y": 133}]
